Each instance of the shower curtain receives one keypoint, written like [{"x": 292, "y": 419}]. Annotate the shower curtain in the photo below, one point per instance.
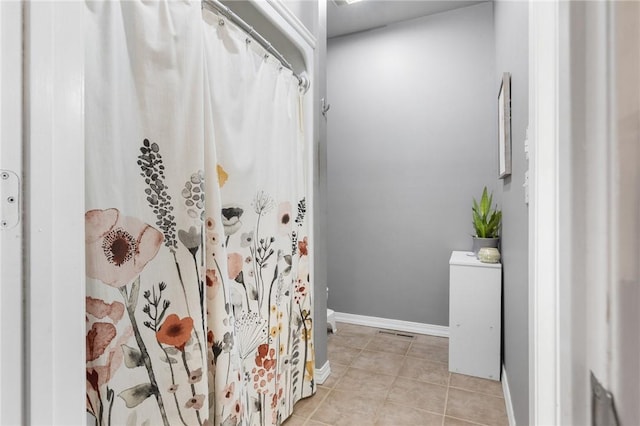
[{"x": 198, "y": 292}]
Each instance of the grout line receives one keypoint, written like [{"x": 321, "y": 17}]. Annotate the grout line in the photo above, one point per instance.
[
  {"x": 468, "y": 421},
  {"x": 446, "y": 399},
  {"x": 478, "y": 392},
  {"x": 317, "y": 407}
]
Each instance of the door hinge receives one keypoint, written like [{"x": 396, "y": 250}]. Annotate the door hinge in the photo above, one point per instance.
[{"x": 9, "y": 199}]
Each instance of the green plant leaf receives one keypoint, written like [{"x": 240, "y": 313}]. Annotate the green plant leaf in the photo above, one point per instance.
[
  {"x": 132, "y": 357},
  {"x": 136, "y": 395},
  {"x": 486, "y": 220}
]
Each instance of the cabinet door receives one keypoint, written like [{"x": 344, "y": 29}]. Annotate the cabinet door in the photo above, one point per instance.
[{"x": 474, "y": 321}]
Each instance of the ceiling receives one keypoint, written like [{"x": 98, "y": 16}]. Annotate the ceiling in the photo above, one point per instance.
[{"x": 343, "y": 19}]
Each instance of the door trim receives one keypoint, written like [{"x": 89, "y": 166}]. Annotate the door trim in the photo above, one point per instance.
[{"x": 544, "y": 333}]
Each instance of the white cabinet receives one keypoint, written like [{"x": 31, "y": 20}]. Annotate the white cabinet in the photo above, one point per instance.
[{"x": 475, "y": 290}]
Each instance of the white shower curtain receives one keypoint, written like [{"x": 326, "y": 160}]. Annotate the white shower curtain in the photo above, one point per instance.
[
  {"x": 198, "y": 292},
  {"x": 255, "y": 122}
]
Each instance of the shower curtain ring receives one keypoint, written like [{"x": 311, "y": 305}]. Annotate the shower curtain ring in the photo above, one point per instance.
[
  {"x": 248, "y": 40},
  {"x": 221, "y": 22}
]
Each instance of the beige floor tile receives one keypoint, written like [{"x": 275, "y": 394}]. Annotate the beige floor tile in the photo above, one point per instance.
[
  {"x": 337, "y": 370},
  {"x": 425, "y": 370},
  {"x": 353, "y": 340},
  {"x": 450, "y": 421},
  {"x": 432, "y": 351},
  {"x": 339, "y": 354},
  {"x": 416, "y": 394},
  {"x": 476, "y": 384},
  {"x": 315, "y": 423},
  {"x": 295, "y": 421},
  {"x": 305, "y": 407},
  {"x": 476, "y": 407},
  {"x": 380, "y": 362},
  {"x": 393, "y": 344},
  {"x": 367, "y": 383},
  {"x": 353, "y": 328},
  {"x": 432, "y": 340},
  {"x": 346, "y": 408},
  {"x": 397, "y": 415}
]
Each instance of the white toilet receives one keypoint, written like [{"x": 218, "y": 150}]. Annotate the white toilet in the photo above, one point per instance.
[{"x": 331, "y": 320}]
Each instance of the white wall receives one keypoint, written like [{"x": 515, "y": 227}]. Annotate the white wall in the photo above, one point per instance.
[{"x": 411, "y": 139}]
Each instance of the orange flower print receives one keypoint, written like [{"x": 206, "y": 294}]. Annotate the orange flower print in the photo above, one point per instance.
[
  {"x": 118, "y": 247},
  {"x": 222, "y": 175},
  {"x": 175, "y": 331}
]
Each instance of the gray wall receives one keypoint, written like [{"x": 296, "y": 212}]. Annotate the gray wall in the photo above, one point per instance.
[
  {"x": 320, "y": 191},
  {"x": 511, "y": 36},
  {"x": 411, "y": 139}
]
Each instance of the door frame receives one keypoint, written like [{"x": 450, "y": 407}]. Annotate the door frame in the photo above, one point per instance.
[
  {"x": 54, "y": 207},
  {"x": 546, "y": 22}
]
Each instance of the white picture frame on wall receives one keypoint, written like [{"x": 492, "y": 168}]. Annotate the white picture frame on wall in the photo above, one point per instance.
[{"x": 504, "y": 127}]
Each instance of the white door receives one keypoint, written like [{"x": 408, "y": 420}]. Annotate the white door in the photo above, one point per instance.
[{"x": 11, "y": 226}]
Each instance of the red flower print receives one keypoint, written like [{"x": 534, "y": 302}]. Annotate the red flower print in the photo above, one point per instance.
[
  {"x": 264, "y": 372},
  {"x": 98, "y": 339},
  {"x": 175, "y": 331},
  {"x": 300, "y": 291},
  {"x": 118, "y": 247},
  {"x": 302, "y": 246}
]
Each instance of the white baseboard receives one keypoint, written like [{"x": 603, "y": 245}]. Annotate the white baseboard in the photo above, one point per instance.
[
  {"x": 507, "y": 398},
  {"x": 321, "y": 374},
  {"x": 393, "y": 324}
]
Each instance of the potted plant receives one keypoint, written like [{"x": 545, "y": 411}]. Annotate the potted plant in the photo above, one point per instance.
[{"x": 486, "y": 222}]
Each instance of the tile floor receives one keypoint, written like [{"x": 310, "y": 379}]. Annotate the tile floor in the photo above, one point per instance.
[{"x": 383, "y": 379}]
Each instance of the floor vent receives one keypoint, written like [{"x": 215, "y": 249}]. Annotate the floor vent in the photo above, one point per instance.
[{"x": 396, "y": 333}]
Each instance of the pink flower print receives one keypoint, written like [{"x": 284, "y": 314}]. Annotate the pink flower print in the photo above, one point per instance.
[
  {"x": 100, "y": 309},
  {"x": 228, "y": 393},
  {"x": 118, "y": 247},
  {"x": 238, "y": 409},
  {"x": 213, "y": 284},
  {"x": 104, "y": 354},
  {"x": 195, "y": 376},
  {"x": 195, "y": 402},
  {"x": 234, "y": 265}
]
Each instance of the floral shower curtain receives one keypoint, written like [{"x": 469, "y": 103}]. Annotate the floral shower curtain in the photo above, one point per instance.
[{"x": 198, "y": 292}]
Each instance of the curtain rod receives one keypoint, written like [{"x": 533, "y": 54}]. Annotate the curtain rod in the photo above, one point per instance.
[{"x": 216, "y": 5}]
